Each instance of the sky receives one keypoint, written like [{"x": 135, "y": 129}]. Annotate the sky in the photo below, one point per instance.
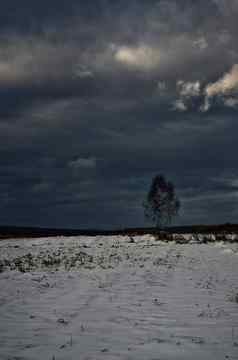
[{"x": 99, "y": 96}]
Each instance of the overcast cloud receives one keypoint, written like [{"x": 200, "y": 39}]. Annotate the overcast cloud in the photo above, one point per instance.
[{"x": 97, "y": 97}]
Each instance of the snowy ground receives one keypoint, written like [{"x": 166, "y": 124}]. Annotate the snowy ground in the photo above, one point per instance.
[{"x": 113, "y": 298}]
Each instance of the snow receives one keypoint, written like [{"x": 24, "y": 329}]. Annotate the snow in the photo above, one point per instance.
[{"x": 118, "y": 298}]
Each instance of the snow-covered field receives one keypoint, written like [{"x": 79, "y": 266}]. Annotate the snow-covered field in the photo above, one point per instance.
[{"x": 92, "y": 298}]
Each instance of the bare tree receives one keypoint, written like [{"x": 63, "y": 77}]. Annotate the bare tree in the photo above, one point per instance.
[{"x": 161, "y": 204}]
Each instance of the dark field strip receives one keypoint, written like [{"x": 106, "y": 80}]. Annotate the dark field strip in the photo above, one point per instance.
[{"x": 7, "y": 232}]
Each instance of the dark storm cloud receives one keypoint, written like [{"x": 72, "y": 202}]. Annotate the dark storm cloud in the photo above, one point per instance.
[
  {"x": 98, "y": 97},
  {"x": 106, "y": 47}
]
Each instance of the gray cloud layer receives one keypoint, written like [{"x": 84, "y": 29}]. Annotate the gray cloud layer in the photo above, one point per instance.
[{"x": 98, "y": 97}]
